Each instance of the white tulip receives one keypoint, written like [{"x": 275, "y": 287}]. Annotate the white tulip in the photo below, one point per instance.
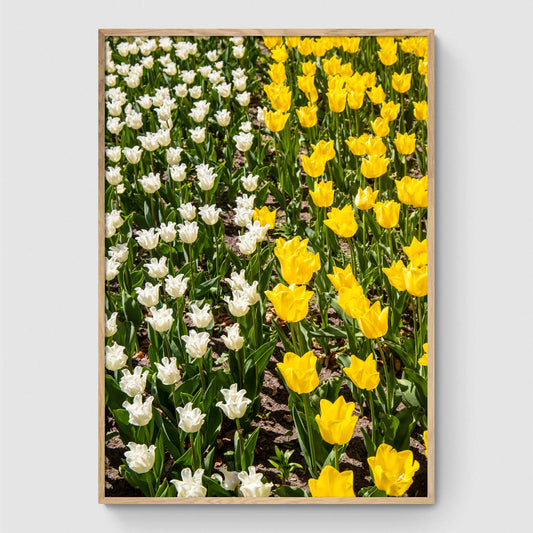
[
  {"x": 247, "y": 243},
  {"x": 230, "y": 481},
  {"x": 198, "y": 135},
  {"x": 246, "y": 126},
  {"x": 161, "y": 319},
  {"x": 151, "y": 183},
  {"x": 242, "y": 216},
  {"x": 178, "y": 172},
  {"x": 114, "y": 125},
  {"x": 238, "y": 305},
  {"x": 140, "y": 413},
  {"x": 196, "y": 343},
  {"x": 115, "y": 358},
  {"x": 240, "y": 84},
  {"x": 181, "y": 90},
  {"x": 195, "y": 91},
  {"x": 210, "y": 214},
  {"x": 133, "y": 384},
  {"x": 200, "y": 317},
  {"x": 235, "y": 403},
  {"x": 243, "y": 98},
  {"x": 174, "y": 155},
  {"x": 206, "y": 176},
  {"x": 251, "y": 485},
  {"x": 233, "y": 339},
  {"x": 212, "y": 55},
  {"x": 120, "y": 252},
  {"x": 111, "y": 80},
  {"x": 223, "y": 89},
  {"x": 188, "y": 232},
  {"x": 243, "y": 141},
  {"x": 187, "y": 211},
  {"x": 245, "y": 201},
  {"x": 237, "y": 280},
  {"x": 167, "y": 232},
  {"x": 111, "y": 269},
  {"x": 133, "y": 155},
  {"x": 149, "y": 296},
  {"x": 176, "y": 286},
  {"x": 113, "y": 153},
  {"x": 134, "y": 120},
  {"x": 238, "y": 51},
  {"x": 114, "y": 108},
  {"x": 250, "y": 182},
  {"x": 250, "y": 292},
  {"x": 167, "y": 371},
  {"x": 171, "y": 69},
  {"x": 111, "y": 325},
  {"x": 147, "y": 62},
  {"x": 191, "y": 420},
  {"x": 205, "y": 70},
  {"x": 147, "y": 239},
  {"x": 140, "y": 458},
  {"x": 149, "y": 142},
  {"x": 157, "y": 269},
  {"x": 163, "y": 137},
  {"x": 223, "y": 117},
  {"x": 191, "y": 485}
]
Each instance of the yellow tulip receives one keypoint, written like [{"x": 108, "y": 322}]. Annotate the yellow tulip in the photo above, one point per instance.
[
  {"x": 299, "y": 372},
  {"x": 342, "y": 221},
  {"x": 416, "y": 280},
  {"x": 387, "y": 213},
  {"x": 374, "y": 166},
  {"x": 365, "y": 199},
  {"x": 380, "y": 126},
  {"x": 396, "y": 274},
  {"x": 306, "y": 84},
  {"x": 393, "y": 471},
  {"x": 305, "y": 46},
  {"x": 277, "y": 73},
  {"x": 369, "y": 79},
  {"x": 423, "y": 67},
  {"x": 375, "y": 146},
  {"x": 279, "y": 54},
  {"x": 425, "y": 437},
  {"x": 407, "y": 44},
  {"x": 353, "y": 301},
  {"x": 405, "y": 143},
  {"x": 337, "y": 100},
  {"x": 323, "y": 194},
  {"x": 336, "y": 421},
  {"x": 420, "y": 46},
  {"x": 279, "y": 95},
  {"x": 351, "y": 44},
  {"x": 343, "y": 278},
  {"x": 307, "y": 115},
  {"x": 265, "y": 217},
  {"x": 313, "y": 165},
  {"x": 389, "y": 111},
  {"x": 320, "y": 47},
  {"x": 386, "y": 42},
  {"x": 292, "y": 42},
  {"x": 375, "y": 322},
  {"x": 357, "y": 145},
  {"x": 272, "y": 42},
  {"x": 325, "y": 149},
  {"x": 309, "y": 68},
  {"x": 291, "y": 303},
  {"x": 363, "y": 374},
  {"x": 423, "y": 361},
  {"x": 356, "y": 99},
  {"x": 417, "y": 252},
  {"x": 275, "y": 120},
  {"x": 401, "y": 82},
  {"x": 412, "y": 191},
  {"x": 346, "y": 70},
  {"x": 332, "y": 484},
  {"x": 421, "y": 110},
  {"x": 332, "y": 66},
  {"x": 298, "y": 264},
  {"x": 388, "y": 56},
  {"x": 377, "y": 95}
]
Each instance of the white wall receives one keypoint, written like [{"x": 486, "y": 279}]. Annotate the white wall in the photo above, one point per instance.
[{"x": 484, "y": 255}]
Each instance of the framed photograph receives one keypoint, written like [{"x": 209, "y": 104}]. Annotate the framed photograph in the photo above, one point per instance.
[{"x": 266, "y": 266}]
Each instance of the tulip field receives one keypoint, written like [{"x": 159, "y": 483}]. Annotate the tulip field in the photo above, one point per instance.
[{"x": 266, "y": 267}]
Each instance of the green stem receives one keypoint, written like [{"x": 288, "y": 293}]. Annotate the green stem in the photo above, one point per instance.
[
  {"x": 148, "y": 476},
  {"x": 388, "y": 375},
  {"x": 294, "y": 335},
  {"x": 201, "y": 369},
  {"x": 191, "y": 261},
  {"x": 391, "y": 251},
  {"x": 353, "y": 257},
  {"x": 336, "y": 448},
  {"x": 310, "y": 435},
  {"x": 415, "y": 335},
  {"x": 194, "y": 458},
  {"x": 241, "y": 445},
  {"x": 372, "y": 416}
]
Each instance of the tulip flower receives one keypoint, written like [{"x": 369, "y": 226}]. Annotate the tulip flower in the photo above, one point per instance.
[
  {"x": 299, "y": 372},
  {"x": 380, "y": 126},
  {"x": 423, "y": 361},
  {"x": 401, "y": 82},
  {"x": 393, "y": 471},
  {"x": 272, "y": 42},
  {"x": 140, "y": 413},
  {"x": 323, "y": 194},
  {"x": 297, "y": 263},
  {"x": 149, "y": 296},
  {"x": 307, "y": 115},
  {"x": 279, "y": 54},
  {"x": 377, "y": 95},
  {"x": 306, "y": 84},
  {"x": 388, "y": 56},
  {"x": 337, "y": 100},
  {"x": 265, "y": 217},
  {"x": 140, "y": 458},
  {"x": 175, "y": 286},
  {"x": 191, "y": 484},
  {"x": 233, "y": 339},
  {"x": 111, "y": 325},
  {"x": 291, "y": 303},
  {"x": 387, "y": 213},
  {"x": 405, "y": 143},
  {"x": 324, "y": 149},
  {"x": 416, "y": 280},
  {"x": 167, "y": 371},
  {"x": 235, "y": 403},
  {"x": 191, "y": 419},
  {"x": 389, "y": 110},
  {"x": 425, "y": 437},
  {"x": 342, "y": 221},
  {"x": 231, "y": 479},
  {"x": 332, "y": 484},
  {"x": 412, "y": 191},
  {"x": 277, "y": 73},
  {"x": 363, "y": 374},
  {"x": 366, "y": 199},
  {"x": 133, "y": 384},
  {"x": 161, "y": 319},
  {"x": 280, "y": 96},
  {"x": 252, "y": 486},
  {"x": 275, "y": 120},
  {"x": 375, "y": 146},
  {"x": 357, "y": 145},
  {"x": 421, "y": 110},
  {"x": 395, "y": 274},
  {"x": 375, "y": 322},
  {"x": 313, "y": 165},
  {"x": 374, "y": 166},
  {"x": 335, "y": 421},
  {"x": 343, "y": 278},
  {"x": 353, "y": 301},
  {"x": 196, "y": 343},
  {"x": 115, "y": 358},
  {"x": 417, "y": 252}
]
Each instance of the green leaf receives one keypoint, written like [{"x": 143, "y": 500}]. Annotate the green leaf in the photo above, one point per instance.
[
  {"x": 371, "y": 492},
  {"x": 285, "y": 491}
]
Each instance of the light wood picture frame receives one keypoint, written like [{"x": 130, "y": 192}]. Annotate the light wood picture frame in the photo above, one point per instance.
[{"x": 416, "y": 311}]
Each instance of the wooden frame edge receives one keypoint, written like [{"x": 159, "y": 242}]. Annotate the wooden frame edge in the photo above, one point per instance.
[{"x": 108, "y": 32}]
